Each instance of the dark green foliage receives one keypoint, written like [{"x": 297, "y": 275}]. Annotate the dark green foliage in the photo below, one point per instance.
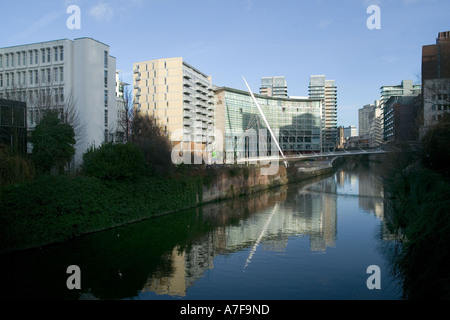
[
  {"x": 14, "y": 168},
  {"x": 436, "y": 144},
  {"x": 114, "y": 162},
  {"x": 57, "y": 208},
  {"x": 421, "y": 215},
  {"x": 53, "y": 143}
]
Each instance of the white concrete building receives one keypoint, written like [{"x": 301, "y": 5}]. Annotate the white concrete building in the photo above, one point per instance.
[{"x": 65, "y": 72}]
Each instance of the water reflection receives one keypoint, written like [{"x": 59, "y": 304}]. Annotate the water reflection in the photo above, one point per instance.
[{"x": 169, "y": 255}]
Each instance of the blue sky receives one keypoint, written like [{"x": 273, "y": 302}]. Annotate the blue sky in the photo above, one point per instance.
[{"x": 228, "y": 39}]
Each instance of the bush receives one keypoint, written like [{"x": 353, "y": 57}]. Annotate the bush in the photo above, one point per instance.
[
  {"x": 114, "y": 162},
  {"x": 436, "y": 144},
  {"x": 13, "y": 168}
]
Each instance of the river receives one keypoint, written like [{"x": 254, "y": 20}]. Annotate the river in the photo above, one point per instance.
[{"x": 313, "y": 240}]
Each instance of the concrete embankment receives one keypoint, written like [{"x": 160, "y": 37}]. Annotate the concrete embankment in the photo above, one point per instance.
[{"x": 252, "y": 179}]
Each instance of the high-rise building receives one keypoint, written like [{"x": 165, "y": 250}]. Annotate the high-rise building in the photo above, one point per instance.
[
  {"x": 399, "y": 119},
  {"x": 406, "y": 88},
  {"x": 326, "y": 90},
  {"x": 64, "y": 74},
  {"x": 180, "y": 97},
  {"x": 370, "y": 124},
  {"x": 349, "y": 132},
  {"x": 274, "y": 87},
  {"x": 436, "y": 80}
]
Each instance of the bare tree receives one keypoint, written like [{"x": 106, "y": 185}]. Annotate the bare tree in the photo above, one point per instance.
[
  {"x": 44, "y": 97},
  {"x": 125, "y": 112}
]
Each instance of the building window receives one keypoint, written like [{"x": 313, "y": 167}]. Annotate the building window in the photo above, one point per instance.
[
  {"x": 30, "y": 53},
  {"x": 106, "y": 59},
  {"x": 106, "y": 78},
  {"x": 1, "y": 81},
  {"x": 36, "y": 56},
  {"x": 18, "y": 59},
  {"x": 61, "y": 53},
  {"x": 56, "y": 53},
  {"x": 43, "y": 55},
  {"x": 1, "y": 61},
  {"x": 49, "y": 78},
  {"x": 48, "y": 55},
  {"x": 106, "y": 118},
  {"x": 61, "y": 74},
  {"x": 12, "y": 59},
  {"x": 55, "y": 74},
  {"x": 106, "y": 98}
]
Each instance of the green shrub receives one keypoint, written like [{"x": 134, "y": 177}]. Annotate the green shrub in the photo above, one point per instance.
[{"x": 114, "y": 162}]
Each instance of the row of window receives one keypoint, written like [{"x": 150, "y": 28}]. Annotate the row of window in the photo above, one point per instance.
[
  {"x": 438, "y": 97},
  {"x": 39, "y": 96},
  {"x": 21, "y": 58},
  {"x": 32, "y": 77}
]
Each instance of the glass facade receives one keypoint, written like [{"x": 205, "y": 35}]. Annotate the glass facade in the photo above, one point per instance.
[{"x": 296, "y": 123}]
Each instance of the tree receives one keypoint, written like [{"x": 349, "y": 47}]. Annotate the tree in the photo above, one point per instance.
[
  {"x": 53, "y": 143},
  {"x": 436, "y": 145},
  {"x": 153, "y": 142}
]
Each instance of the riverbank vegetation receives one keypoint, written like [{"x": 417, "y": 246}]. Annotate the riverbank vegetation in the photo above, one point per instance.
[
  {"x": 419, "y": 185},
  {"x": 116, "y": 184}
]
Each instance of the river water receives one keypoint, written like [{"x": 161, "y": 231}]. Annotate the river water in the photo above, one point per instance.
[{"x": 313, "y": 240}]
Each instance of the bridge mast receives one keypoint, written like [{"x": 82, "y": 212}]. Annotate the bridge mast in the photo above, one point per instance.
[{"x": 264, "y": 117}]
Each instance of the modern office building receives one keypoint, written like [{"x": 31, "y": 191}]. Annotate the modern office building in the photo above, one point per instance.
[
  {"x": 400, "y": 119},
  {"x": 350, "y": 131},
  {"x": 77, "y": 75},
  {"x": 296, "y": 123},
  {"x": 436, "y": 80},
  {"x": 370, "y": 124},
  {"x": 180, "y": 97},
  {"x": 13, "y": 125},
  {"x": 406, "y": 88},
  {"x": 326, "y": 90},
  {"x": 274, "y": 87}
]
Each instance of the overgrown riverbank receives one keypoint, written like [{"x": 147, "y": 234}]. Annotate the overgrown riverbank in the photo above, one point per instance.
[
  {"x": 420, "y": 217},
  {"x": 56, "y": 208},
  {"x": 419, "y": 185}
]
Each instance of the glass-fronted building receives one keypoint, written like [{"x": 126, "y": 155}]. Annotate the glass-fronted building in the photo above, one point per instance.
[{"x": 295, "y": 123}]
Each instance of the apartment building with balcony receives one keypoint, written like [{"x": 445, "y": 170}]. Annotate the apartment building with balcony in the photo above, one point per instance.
[
  {"x": 64, "y": 74},
  {"x": 326, "y": 90},
  {"x": 274, "y": 87},
  {"x": 180, "y": 97}
]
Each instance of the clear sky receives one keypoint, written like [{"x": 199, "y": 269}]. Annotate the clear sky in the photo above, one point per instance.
[{"x": 228, "y": 39}]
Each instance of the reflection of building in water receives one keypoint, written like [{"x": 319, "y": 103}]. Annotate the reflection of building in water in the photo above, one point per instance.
[
  {"x": 318, "y": 211},
  {"x": 310, "y": 213},
  {"x": 371, "y": 193}
]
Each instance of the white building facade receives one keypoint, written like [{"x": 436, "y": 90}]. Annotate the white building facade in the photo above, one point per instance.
[{"x": 78, "y": 74}]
